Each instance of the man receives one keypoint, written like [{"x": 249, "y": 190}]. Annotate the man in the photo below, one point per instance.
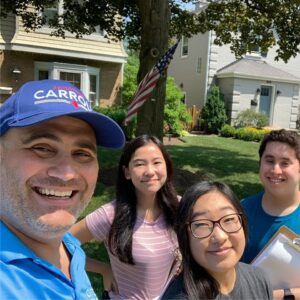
[
  {"x": 48, "y": 150},
  {"x": 279, "y": 203}
]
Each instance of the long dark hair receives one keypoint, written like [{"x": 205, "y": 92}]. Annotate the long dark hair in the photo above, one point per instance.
[
  {"x": 120, "y": 234},
  {"x": 199, "y": 284}
]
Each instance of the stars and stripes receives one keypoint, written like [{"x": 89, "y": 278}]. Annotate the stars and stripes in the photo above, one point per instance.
[{"x": 149, "y": 82}]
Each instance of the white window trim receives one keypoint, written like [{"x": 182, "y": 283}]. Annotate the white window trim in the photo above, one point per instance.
[
  {"x": 54, "y": 68},
  {"x": 4, "y": 90}
]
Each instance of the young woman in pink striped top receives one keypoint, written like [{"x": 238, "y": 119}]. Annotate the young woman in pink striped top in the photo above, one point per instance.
[{"x": 137, "y": 227}]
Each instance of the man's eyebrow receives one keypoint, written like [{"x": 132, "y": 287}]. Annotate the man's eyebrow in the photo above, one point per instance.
[
  {"x": 271, "y": 156},
  {"x": 48, "y": 135},
  {"x": 39, "y": 135},
  {"x": 87, "y": 145}
]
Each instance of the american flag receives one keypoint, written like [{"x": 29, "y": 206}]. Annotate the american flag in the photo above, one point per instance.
[{"x": 149, "y": 82}]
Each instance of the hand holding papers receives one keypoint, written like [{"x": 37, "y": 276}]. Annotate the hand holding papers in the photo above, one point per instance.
[{"x": 280, "y": 259}]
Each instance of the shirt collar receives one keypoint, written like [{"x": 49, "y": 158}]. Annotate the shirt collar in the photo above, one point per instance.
[{"x": 12, "y": 248}]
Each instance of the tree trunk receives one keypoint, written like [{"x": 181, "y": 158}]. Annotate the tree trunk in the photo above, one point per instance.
[{"x": 155, "y": 16}]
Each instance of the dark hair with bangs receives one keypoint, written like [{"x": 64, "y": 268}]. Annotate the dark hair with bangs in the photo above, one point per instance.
[
  {"x": 199, "y": 284},
  {"x": 121, "y": 231}
]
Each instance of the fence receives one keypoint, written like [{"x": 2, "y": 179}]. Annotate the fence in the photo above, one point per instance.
[{"x": 195, "y": 113}]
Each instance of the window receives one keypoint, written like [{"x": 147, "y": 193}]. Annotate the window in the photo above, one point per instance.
[
  {"x": 84, "y": 77},
  {"x": 74, "y": 78},
  {"x": 50, "y": 11},
  {"x": 58, "y": 9},
  {"x": 254, "y": 48},
  {"x": 264, "y": 54},
  {"x": 257, "y": 49},
  {"x": 43, "y": 74},
  {"x": 199, "y": 63},
  {"x": 185, "y": 46},
  {"x": 55, "y": 9},
  {"x": 93, "y": 87},
  {"x": 265, "y": 91},
  {"x": 98, "y": 31}
]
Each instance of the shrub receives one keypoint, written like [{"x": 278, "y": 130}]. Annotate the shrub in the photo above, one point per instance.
[
  {"x": 184, "y": 133},
  {"x": 227, "y": 131},
  {"x": 176, "y": 116},
  {"x": 251, "y": 118},
  {"x": 246, "y": 133},
  {"x": 130, "y": 79},
  {"x": 118, "y": 114},
  {"x": 213, "y": 115}
]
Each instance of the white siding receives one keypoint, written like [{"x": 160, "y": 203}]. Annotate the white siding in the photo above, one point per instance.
[{"x": 184, "y": 70}]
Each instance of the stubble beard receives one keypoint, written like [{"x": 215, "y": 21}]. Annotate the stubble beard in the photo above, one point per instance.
[{"x": 15, "y": 209}]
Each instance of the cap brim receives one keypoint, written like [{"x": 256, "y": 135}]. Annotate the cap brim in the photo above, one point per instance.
[{"x": 108, "y": 133}]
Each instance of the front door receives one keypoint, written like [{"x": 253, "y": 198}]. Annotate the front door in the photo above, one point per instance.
[{"x": 265, "y": 100}]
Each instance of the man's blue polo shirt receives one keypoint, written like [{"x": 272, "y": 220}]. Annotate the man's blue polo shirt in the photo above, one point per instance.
[{"x": 23, "y": 275}]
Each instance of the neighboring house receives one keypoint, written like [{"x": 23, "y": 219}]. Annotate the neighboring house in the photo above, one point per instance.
[
  {"x": 255, "y": 81},
  {"x": 91, "y": 63}
]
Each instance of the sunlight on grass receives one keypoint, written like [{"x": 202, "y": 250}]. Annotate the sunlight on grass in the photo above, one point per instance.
[{"x": 233, "y": 161}]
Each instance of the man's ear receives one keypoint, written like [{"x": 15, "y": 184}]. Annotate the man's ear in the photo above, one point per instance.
[{"x": 126, "y": 173}]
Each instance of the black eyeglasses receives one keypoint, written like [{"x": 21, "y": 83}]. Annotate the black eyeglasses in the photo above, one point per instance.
[{"x": 203, "y": 228}]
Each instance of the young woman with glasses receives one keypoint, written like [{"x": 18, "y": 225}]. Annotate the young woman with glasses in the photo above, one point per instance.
[{"x": 212, "y": 230}]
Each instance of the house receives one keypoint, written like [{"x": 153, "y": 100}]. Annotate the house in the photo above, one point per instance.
[
  {"x": 91, "y": 63},
  {"x": 255, "y": 81}
]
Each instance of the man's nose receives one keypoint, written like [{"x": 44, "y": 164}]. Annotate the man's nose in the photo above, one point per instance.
[
  {"x": 276, "y": 168},
  {"x": 64, "y": 169}
]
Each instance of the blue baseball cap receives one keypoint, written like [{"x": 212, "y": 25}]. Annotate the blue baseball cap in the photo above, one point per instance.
[{"x": 39, "y": 101}]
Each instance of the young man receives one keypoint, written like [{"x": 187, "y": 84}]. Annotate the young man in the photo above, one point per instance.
[
  {"x": 48, "y": 154},
  {"x": 279, "y": 203}
]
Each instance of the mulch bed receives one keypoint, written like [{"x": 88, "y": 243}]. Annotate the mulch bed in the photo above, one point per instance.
[{"x": 172, "y": 141}]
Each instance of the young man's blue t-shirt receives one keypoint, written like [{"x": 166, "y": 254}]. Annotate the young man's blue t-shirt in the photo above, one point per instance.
[
  {"x": 263, "y": 226},
  {"x": 23, "y": 275}
]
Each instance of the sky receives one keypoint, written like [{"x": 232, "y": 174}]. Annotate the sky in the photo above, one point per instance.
[{"x": 187, "y": 6}]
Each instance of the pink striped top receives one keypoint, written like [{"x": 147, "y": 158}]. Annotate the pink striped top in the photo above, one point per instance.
[{"x": 153, "y": 252}]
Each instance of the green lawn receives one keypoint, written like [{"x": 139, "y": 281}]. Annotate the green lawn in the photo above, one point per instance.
[{"x": 233, "y": 161}]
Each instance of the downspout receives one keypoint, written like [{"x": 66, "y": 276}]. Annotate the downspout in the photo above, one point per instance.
[
  {"x": 122, "y": 69},
  {"x": 207, "y": 66},
  {"x": 122, "y": 81}
]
